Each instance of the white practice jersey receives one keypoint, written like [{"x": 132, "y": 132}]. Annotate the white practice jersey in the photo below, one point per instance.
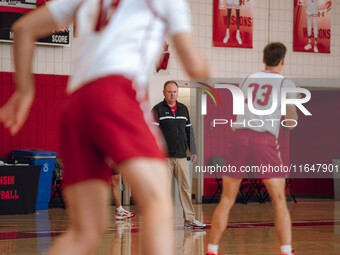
[
  {"x": 312, "y": 8},
  {"x": 122, "y": 37},
  {"x": 265, "y": 88}
]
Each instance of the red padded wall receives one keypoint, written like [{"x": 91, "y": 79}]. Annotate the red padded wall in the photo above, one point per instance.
[
  {"x": 39, "y": 132},
  {"x": 317, "y": 139}
]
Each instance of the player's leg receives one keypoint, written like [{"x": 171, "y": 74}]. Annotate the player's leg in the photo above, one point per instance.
[
  {"x": 87, "y": 204},
  {"x": 238, "y": 35},
  {"x": 228, "y": 17},
  {"x": 116, "y": 193},
  {"x": 309, "y": 32},
  {"x": 276, "y": 190},
  {"x": 227, "y": 35},
  {"x": 265, "y": 151},
  {"x": 315, "y": 28},
  {"x": 221, "y": 214},
  {"x": 120, "y": 212},
  {"x": 86, "y": 181},
  {"x": 238, "y": 19},
  {"x": 150, "y": 184},
  {"x": 124, "y": 135}
]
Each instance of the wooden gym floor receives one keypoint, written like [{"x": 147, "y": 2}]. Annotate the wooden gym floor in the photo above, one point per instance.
[{"x": 316, "y": 230}]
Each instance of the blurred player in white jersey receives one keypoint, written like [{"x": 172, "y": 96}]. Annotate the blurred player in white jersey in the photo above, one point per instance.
[
  {"x": 105, "y": 117},
  {"x": 254, "y": 146},
  {"x": 232, "y": 4},
  {"x": 311, "y": 14}
]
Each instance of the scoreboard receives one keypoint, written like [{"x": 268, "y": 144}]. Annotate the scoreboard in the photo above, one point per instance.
[{"x": 11, "y": 10}]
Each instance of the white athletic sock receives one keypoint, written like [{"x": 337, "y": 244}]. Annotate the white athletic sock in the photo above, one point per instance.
[
  {"x": 120, "y": 208},
  {"x": 286, "y": 249},
  {"x": 213, "y": 248}
]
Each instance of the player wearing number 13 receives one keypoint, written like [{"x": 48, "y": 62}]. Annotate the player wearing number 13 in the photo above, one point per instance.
[
  {"x": 105, "y": 120},
  {"x": 256, "y": 144},
  {"x": 266, "y": 95},
  {"x": 264, "y": 103}
]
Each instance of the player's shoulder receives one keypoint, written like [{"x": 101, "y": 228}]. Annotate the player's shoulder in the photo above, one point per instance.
[
  {"x": 288, "y": 83},
  {"x": 163, "y": 6},
  {"x": 266, "y": 74},
  {"x": 72, "y": 4}
]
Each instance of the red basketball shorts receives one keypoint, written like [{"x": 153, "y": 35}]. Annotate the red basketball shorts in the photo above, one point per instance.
[
  {"x": 255, "y": 155},
  {"x": 101, "y": 120}
]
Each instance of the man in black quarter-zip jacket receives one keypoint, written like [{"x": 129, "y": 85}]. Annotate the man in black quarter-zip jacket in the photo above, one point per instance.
[{"x": 173, "y": 119}]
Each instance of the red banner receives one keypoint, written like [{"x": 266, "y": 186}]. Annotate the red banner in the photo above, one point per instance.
[
  {"x": 312, "y": 26},
  {"x": 233, "y": 23}
]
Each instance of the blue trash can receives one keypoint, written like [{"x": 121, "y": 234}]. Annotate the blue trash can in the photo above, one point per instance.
[{"x": 47, "y": 160}]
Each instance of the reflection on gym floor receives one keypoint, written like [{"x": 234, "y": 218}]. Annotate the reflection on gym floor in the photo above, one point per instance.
[{"x": 316, "y": 230}]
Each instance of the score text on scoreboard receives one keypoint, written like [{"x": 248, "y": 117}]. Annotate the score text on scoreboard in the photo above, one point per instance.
[{"x": 11, "y": 10}]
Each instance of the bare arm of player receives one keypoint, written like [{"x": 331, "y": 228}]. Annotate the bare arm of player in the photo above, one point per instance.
[
  {"x": 291, "y": 114},
  {"x": 193, "y": 62},
  {"x": 27, "y": 30}
]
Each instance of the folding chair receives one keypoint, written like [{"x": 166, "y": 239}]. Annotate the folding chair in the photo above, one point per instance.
[
  {"x": 248, "y": 188},
  {"x": 57, "y": 190},
  {"x": 217, "y": 161},
  {"x": 288, "y": 182},
  {"x": 57, "y": 180},
  {"x": 218, "y": 190}
]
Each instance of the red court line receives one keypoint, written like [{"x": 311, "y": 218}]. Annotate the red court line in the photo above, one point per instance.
[
  {"x": 271, "y": 224},
  {"x": 26, "y": 235}
]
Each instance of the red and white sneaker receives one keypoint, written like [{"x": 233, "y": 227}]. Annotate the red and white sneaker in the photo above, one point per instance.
[
  {"x": 211, "y": 253},
  {"x": 292, "y": 253},
  {"x": 123, "y": 214}
]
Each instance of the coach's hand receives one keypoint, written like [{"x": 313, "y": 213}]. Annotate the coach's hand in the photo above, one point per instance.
[
  {"x": 193, "y": 158},
  {"x": 15, "y": 112}
]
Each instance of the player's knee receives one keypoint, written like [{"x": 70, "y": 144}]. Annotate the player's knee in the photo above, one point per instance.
[
  {"x": 160, "y": 191},
  {"x": 278, "y": 199},
  {"x": 227, "y": 202},
  {"x": 91, "y": 238},
  {"x": 155, "y": 197},
  {"x": 159, "y": 196},
  {"x": 90, "y": 233}
]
